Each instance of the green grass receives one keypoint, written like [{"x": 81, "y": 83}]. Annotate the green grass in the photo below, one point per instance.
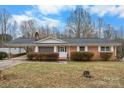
[{"x": 105, "y": 74}]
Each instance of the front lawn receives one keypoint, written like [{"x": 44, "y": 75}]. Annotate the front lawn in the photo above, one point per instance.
[{"x": 105, "y": 74}]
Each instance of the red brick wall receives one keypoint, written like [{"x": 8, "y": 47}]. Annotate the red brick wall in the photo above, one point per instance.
[{"x": 94, "y": 49}]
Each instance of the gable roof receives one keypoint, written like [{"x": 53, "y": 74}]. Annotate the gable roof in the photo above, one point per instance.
[
  {"x": 72, "y": 41},
  {"x": 50, "y": 40}
]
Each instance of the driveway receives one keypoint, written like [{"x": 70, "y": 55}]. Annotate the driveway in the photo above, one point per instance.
[{"x": 4, "y": 64}]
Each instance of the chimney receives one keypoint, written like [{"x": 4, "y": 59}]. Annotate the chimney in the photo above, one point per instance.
[{"x": 36, "y": 36}]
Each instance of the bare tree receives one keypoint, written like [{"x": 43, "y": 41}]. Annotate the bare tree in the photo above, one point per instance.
[
  {"x": 100, "y": 25},
  {"x": 32, "y": 27},
  {"x": 108, "y": 33},
  {"x": 13, "y": 29},
  {"x": 24, "y": 29},
  {"x": 80, "y": 23},
  {"x": 28, "y": 28},
  {"x": 121, "y": 32},
  {"x": 4, "y": 22}
]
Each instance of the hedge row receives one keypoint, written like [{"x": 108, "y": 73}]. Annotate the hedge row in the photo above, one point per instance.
[
  {"x": 3, "y": 55},
  {"x": 81, "y": 56},
  {"x": 75, "y": 56},
  {"x": 105, "y": 56},
  {"x": 43, "y": 56},
  {"x": 87, "y": 56}
]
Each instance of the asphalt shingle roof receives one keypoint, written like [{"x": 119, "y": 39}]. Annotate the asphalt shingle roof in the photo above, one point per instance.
[
  {"x": 22, "y": 41},
  {"x": 68, "y": 41},
  {"x": 89, "y": 41}
]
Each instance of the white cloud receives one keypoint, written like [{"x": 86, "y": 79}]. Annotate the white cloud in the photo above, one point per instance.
[
  {"x": 20, "y": 18},
  {"x": 49, "y": 9},
  {"x": 102, "y": 10},
  {"x": 29, "y": 13},
  {"x": 53, "y": 9},
  {"x": 50, "y": 22},
  {"x": 44, "y": 21},
  {"x": 120, "y": 9}
]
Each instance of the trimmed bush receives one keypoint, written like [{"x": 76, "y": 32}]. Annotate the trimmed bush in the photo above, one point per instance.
[
  {"x": 43, "y": 56},
  {"x": 105, "y": 56},
  {"x": 3, "y": 55},
  {"x": 30, "y": 56},
  {"x": 81, "y": 56}
]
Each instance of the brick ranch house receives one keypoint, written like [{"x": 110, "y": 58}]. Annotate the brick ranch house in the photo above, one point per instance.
[{"x": 65, "y": 46}]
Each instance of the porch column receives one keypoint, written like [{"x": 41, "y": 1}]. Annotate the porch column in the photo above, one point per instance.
[
  {"x": 69, "y": 53},
  {"x": 86, "y": 48},
  {"x": 9, "y": 52},
  {"x": 78, "y": 49},
  {"x": 36, "y": 49},
  {"x": 112, "y": 48},
  {"x": 99, "y": 48},
  {"x": 55, "y": 48},
  {"x": 115, "y": 50}
]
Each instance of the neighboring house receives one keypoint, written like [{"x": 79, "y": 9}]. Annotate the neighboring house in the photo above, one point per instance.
[
  {"x": 12, "y": 50},
  {"x": 65, "y": 46}
]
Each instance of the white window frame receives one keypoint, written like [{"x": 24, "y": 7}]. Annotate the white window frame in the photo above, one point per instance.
[
  {"x": 85, "y": 48},
  {"x": 105, "y": 50},
  {"x": 62, "y": 49}
]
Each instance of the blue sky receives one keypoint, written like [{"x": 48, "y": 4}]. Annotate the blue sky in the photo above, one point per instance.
[{"x": 55, "y": 16}]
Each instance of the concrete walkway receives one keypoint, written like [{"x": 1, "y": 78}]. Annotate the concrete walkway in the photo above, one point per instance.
[{"x": 4, "y": 64}]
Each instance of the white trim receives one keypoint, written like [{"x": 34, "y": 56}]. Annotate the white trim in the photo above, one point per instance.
[
  {"x": 112, "y": 48},
  {"x": 115, "y": 50},
  {"x": 50, "y": 40},
  {"x": 99, "y": 48},
  {"x": 36, "y": 49},
  {"x": 78, "y": 48},
  {"x": 55, "y": 48},
  {"x": 86, "y": 48}
]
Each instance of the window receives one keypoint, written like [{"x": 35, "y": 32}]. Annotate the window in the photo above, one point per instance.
[
  {"x": 61, "y": 49},
  {"x": 108, "y": 49},
  {"x": 46, "y": 49},
  {"x": 105, "y": 48},
  {"x": 102, "y": 48},
  {"x": 82, "y": 48}
]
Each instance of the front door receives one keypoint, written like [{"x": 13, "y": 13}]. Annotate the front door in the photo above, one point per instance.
[{"x": 62, "y": 51}]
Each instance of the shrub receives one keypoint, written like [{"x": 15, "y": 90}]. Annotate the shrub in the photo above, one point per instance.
[
  {"x": 31, "y": 56},
  {"x": 105, "y": 56},
  {"x": 3, "y": 55},
  {"x": 43, "y": 56},
  {"x": 81, "y": 56}
]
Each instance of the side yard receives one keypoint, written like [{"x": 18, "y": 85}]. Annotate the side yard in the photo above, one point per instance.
[{"x": 39, "y": 75}]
